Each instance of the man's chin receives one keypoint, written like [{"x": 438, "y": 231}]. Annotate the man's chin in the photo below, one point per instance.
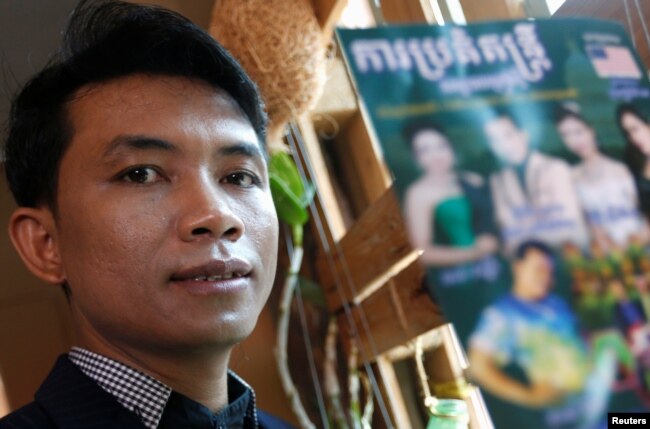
[
  {"x": 226, "y": 334},
  {"x": 208, "y": 342},
  {"x": 514, "y": 162},
  {"x": 187, "y": 339}
]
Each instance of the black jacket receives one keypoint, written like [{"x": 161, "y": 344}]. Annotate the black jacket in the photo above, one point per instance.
[{"x": 68, "y": 399}]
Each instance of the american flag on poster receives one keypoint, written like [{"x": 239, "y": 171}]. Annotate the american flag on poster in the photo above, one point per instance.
[{"x": 613, "y": 61}]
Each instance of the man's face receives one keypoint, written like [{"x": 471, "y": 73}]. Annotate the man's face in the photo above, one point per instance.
[
  {"x": 509, "y": 143},
  {"x": 533, "y": 275},
  {"x": 165, "y": 225}
]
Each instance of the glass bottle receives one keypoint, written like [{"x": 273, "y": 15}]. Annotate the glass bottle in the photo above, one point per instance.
[{"x": 449, "y": 414}]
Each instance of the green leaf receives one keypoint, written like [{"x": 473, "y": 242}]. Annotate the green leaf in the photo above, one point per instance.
[
  {"x": 290, "y": 195},
  {"x": 282, "y": 166},
  {"x": 287, "y": 204}
]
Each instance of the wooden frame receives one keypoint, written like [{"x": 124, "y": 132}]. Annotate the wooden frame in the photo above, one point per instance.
[
  {"x": 365, "y": 264},
  {"x": 443, "y": 347}
]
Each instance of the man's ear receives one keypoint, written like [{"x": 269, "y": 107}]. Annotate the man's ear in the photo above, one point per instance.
[{"x": 33, "y": 234}]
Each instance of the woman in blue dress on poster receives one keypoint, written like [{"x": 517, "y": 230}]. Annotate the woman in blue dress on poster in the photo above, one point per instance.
[{"x": 604, "y": 186}]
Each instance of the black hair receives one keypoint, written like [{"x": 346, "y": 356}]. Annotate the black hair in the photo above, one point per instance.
[
  {"x": 561, "y": 113},
  {"x": 633, "y": 157},
  {"x": 502, "y": 113},
  {"x": 526, "y": 246},
  {"x": 104, "y": 40},
  {"x": 415, "y": 127}
]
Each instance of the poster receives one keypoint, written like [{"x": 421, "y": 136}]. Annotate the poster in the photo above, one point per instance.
[{"x": 520, "y": 152}]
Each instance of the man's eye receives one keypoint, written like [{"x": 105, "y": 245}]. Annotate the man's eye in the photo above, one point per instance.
[
  {"x": 141, "y": 175},
  {"x": 242, "y": 179}
]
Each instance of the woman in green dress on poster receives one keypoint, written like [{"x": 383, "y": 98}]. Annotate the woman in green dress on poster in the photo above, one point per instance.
[
  {"x": 446, "y": 210},
  {"x": 449, "y": 217}
]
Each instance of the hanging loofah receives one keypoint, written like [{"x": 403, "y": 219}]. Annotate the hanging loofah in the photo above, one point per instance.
[{"x": 281, "y": 46}]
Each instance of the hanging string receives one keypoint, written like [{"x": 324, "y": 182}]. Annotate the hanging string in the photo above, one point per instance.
[
  {"x": 643, "y": 24},
  {"x": 419, "y": 364},
  {"x": 629, "y": 23},
  {"x": 295, "y": 140},
  {"x": 307, "y": 341},
  {"x": 429, "y": 400},
  {"x": 352, "y": 288}
]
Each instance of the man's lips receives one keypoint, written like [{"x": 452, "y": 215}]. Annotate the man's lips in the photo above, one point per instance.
[{"x": 214, "y": 270}]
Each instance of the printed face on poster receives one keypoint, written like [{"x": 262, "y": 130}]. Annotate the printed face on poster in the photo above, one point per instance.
[{"x": 521, "y": 156}]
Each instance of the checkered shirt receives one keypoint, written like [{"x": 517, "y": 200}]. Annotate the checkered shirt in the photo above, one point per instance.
[{"x": 134, "y": 390}]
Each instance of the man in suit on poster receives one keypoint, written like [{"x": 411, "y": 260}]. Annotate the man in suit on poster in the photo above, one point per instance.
[
  {"x": 137, "y": 159},
  {"x": 533, "y": 193}
]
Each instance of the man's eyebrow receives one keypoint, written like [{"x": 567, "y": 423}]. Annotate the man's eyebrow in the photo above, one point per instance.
[
  {"x": 249, "y": 150},
  {"x": 138, "y": 142},
  {"x": 143, "y": 142}
]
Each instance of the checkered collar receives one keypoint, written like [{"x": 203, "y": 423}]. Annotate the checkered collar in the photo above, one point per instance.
[{"x": 136, "y": 391}]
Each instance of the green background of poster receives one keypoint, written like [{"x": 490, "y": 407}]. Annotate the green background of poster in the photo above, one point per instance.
[{"x": 394, "y": 98}]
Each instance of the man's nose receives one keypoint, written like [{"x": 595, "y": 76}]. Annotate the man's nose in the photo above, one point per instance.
[{"x": 207, "y": 212}]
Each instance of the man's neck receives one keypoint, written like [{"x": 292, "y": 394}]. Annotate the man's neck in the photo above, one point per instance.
[
  {"x": 199, "y": 375},
  {"x": 202, "y": 377},
  {"x": 523, "y": 163},
  {"x": 521, "y": 293}
]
